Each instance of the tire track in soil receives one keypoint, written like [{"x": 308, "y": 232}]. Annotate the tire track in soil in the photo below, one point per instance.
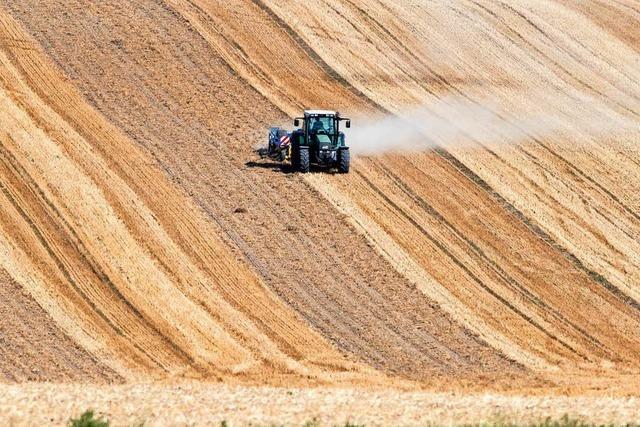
[
  {"x": 460, "y": 264},
  {"x": 508, "y": 279},
  {"x": 11, "y": 168},
  {"x": 34, "y": 348}
]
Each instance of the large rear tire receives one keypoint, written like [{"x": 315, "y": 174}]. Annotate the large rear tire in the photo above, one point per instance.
[
  {"x": 344, "y": 161},
  {"x": 295, "y": 157},
  {"x": 305, "y": 162}
]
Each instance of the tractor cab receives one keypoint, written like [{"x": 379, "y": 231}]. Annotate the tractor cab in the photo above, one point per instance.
[{"x": 322, "y": 131}]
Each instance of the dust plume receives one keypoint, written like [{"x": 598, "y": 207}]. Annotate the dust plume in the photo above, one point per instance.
[{"x": 461, "y": 123}]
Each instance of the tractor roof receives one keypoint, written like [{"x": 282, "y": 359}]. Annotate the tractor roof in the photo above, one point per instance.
[{"x": 319, "y": 113}]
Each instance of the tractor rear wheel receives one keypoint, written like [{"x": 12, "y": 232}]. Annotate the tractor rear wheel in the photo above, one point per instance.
[
  {"x": 295, "y": 157},
  {"x": 344, "y": 161},
  {"x": 305, "y": 163}
]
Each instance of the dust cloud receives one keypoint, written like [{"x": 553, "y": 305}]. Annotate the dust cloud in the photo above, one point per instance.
[{"x": 461, "y": 123}]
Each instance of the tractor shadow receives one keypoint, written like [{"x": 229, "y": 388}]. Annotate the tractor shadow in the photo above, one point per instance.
[
  {"x": 286, "y": 168},
  {"x": 278, "y": 167}
]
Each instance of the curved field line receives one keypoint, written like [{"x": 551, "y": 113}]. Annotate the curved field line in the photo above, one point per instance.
[{"x": 408, "y": 267}]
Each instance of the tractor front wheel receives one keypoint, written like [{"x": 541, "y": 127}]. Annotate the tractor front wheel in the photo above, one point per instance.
[
  {"x": 344, "y": 161},
  {"x": 305, "y": 163}
]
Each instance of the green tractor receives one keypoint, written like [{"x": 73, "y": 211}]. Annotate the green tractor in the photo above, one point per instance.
[{"x": 318, "y": 142}]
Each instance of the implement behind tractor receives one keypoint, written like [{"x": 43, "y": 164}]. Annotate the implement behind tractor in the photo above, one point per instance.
[{"x": 318, "y": 142}]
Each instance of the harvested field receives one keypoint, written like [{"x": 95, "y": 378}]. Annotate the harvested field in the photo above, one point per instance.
[
  {"x": 206, "y": 404},
  {"x": 142, "y": 240}
]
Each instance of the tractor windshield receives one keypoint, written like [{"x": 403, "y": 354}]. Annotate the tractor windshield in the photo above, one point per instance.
[
  {"x": 322, "y": 130},
  {"x": 322, "y": 125}
]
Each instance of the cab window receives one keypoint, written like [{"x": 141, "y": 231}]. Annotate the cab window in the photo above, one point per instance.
[{"x": 322, "y": 125}]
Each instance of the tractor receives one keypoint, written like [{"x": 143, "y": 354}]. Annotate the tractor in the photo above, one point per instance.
[{"x": 318, "y": 142}]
